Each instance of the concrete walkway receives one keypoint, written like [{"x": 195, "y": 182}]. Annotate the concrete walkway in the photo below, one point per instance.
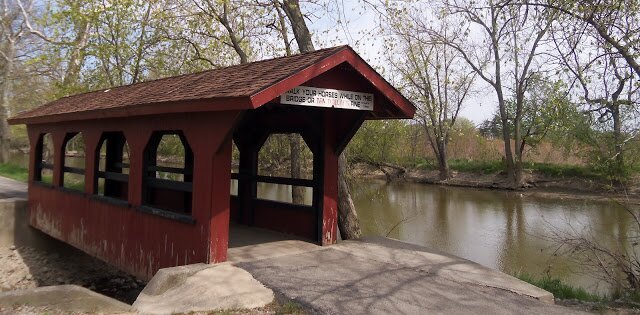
[
  {"x": 382, "y": 276},
  {"x": 10, "y": 188}
]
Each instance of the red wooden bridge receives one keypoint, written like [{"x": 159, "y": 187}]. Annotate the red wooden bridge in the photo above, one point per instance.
[{"x": 128, "y": 216}]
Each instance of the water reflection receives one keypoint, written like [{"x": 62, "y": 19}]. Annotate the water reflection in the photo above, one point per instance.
[{"x": 501, "y": 230}]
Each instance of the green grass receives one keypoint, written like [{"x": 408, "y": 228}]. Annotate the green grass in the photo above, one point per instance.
[
  {"x": 492, "y": 167},
  {"x": 563, "y": 170},
  {"x": 18, "y": 173},
  {"x": 561, "y": 290},
  {"x": 21, "y": 174},
  {"x": 473, "y": 166},
  {"x": 486, "y": 167},
  {"x": 290, "y": 308}
]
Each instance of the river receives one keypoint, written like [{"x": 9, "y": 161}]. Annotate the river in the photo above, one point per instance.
[
  {"x": 498, "y": 229},
  {"x": 503, "y": 230}
]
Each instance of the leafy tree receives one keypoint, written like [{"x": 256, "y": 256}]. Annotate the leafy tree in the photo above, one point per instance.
[
  {"x": 491, "y": 128},
  {"x": 377, "y": 142}
]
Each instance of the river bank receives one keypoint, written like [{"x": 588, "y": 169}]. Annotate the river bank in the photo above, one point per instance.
[{"x": 536, "y": 183}]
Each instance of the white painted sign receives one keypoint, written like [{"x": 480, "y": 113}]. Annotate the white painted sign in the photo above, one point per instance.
[{"x": 311, "y": 96}]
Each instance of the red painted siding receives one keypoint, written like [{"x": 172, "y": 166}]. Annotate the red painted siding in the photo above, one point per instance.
[{"x": 119, "y": 233}]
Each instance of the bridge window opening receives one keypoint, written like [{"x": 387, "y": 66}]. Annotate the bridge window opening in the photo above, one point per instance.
[
  {"x": 73, "y": 168},
  {"x": 168, "y": 175},
  {"x": 235, "y": 165},
  {"x": 281, "y": 176},
  {"x": 112, "y": 160},
  {"x": 44, "y": 159}
]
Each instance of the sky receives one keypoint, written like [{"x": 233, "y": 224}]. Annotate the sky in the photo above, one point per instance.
[{"x": 359, "y": 28}]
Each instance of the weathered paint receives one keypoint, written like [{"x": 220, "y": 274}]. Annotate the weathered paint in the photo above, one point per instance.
[{"x": 139, "y": 242}]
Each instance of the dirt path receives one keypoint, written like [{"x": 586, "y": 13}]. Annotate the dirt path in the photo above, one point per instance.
[{"x": 26, "y": 267}]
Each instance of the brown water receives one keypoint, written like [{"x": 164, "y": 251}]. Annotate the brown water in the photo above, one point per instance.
[
  {"x": 498, "y": 229},
  {"x": 501, "y": 230}
]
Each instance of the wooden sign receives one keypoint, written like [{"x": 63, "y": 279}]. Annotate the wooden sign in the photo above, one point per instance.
[{"x": 311, "y": 96}]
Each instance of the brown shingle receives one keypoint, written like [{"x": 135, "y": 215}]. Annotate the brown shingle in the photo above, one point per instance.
[{"x": 235, "y": 81}]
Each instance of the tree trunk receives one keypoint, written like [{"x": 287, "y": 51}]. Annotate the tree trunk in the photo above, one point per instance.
[
  {"x": 617, "y": 139},
  {"x": 443, "y": 164},
  {"x": 506, "y": 138},
  {"x": 76, "y": 58},
  {"x": 299, "y": 26},
  {"x": 517, "y": 135},
  {"x": 235, "y": 41},
  {"x": 297, "y": 192},
  {"x": 347, "y": 216},
  {"x": 5, "y": 82}
]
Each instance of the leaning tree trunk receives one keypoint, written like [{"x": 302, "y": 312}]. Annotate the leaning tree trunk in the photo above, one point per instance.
[{"x": 347, "y": 216}]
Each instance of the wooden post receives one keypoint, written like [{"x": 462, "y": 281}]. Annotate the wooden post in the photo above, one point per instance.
[
  {"x": 91, "y": 139},
  {"x": 330, "y": 182},
  {"x": 220, "y": 202}
]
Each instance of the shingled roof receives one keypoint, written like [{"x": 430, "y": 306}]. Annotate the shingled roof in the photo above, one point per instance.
[{"x": 243, "y": 86}]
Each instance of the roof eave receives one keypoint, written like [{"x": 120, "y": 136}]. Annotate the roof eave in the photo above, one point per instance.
[
  {"x": 348, "y": 55},
  {"x": 186, "y": 106}
]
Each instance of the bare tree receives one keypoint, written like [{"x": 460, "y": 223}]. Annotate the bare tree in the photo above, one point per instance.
[
  {"x": 506, "y": 56},
  {"x": 432, "y": 77},
  {"x": 231, "y": 17},
  {"x": 615, "y": 23},
  {"x": 605, "y": 81}
]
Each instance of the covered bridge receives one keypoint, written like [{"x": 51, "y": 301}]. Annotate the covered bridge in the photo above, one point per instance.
[{"x": 128, "y": 215}]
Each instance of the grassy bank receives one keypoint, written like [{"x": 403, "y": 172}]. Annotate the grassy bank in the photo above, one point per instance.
[
  {"x": 490, "y": 167},
  {"x": 18, "y": 173},
  {"x": 561, "y": 290},
  {"x": 21, "y": 174}
]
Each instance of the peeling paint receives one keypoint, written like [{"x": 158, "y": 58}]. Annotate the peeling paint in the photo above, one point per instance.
[{"x": 46, "y": 222}]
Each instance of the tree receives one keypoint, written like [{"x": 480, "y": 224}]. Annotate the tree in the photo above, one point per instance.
[
  {"x": 614, "y": 22},
  {"x": 347, "y": 217},
  {"x": 507, "y": 55},
  {"x": 547, "y": 111},
  {"x": 433, "y": 76},
  {"x": 65, "y": 30},
  {"x": 238, "y": 20},
  {"x": 607, "y": 87},
  {"x": 13, "y": 34}
]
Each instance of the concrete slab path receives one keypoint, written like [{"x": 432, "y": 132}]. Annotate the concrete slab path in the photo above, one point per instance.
[
  {"x": 386, "y": 277},
  {"x": 10, "y": 188}
]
